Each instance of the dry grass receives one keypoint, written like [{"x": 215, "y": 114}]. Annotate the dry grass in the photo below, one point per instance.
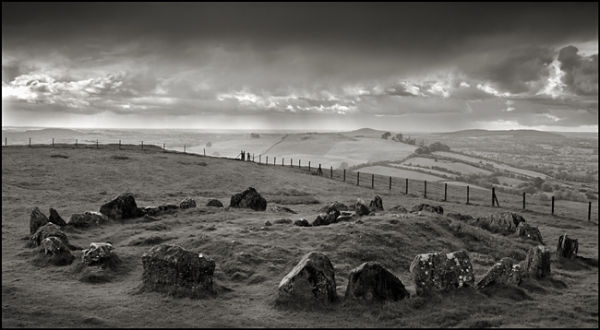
[{"x": 250, "y": 258}]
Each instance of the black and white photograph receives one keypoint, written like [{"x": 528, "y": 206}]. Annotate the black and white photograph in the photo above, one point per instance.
[{"x": 300, "y": 165}]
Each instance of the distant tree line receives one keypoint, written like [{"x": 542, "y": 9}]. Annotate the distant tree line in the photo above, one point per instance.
[{"x": 399, "y": 138}]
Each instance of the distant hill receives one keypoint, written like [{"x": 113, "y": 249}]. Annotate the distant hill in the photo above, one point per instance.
[
  {"x": 365, "y": 132},
  {"x": 517, "y": 133}
]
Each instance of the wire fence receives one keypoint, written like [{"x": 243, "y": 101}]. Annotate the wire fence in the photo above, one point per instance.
[{"x": 432, "y": 190}]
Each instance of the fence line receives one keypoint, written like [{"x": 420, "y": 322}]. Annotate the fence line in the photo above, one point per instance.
[{"x": 431, "y": 190}]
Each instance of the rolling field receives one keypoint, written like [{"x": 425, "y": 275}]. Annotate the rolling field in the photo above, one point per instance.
[
  {"x": 462, "y": 168},
  {"x": 251, "y": 259},
  {"x": 499, "y": 166}
]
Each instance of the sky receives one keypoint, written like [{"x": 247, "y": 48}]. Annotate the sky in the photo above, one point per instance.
[{"x": 324, "y": 66}]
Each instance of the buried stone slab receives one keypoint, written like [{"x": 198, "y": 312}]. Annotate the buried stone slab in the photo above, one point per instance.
[
  {"x": 334, "y": 206},
  {"x": 372, "y": 282},
  {"x": 53, "y": 251},
  {"x": 505, "y": 223},
  {"x": 506, "y": 271},
  {"x": 311, "y": 281},
  {"x": 56, "y": 219},
  {"x": 441, "y": 271},
  {"x": 173, "y": 270},
  {"x": 122, "y": 207},
  {"x": 376, "y": 204},
  {"x": 187, "y": 203},
  {"x": 36, "y": 220},
  {"x": 302, "y": 223},
  {"x": 429, "y": 208},
  {"x": 249, "y": 198},
  {"x": 278, "y": 208},
  {"x": 527, "y": 231},
  {"x": 567, "y": 247},
  {"x": 87, "y": 219},
  {"x": 537, "y": 262}
]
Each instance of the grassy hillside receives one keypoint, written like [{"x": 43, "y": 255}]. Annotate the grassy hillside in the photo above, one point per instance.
[{"x": 251, "y": 259}]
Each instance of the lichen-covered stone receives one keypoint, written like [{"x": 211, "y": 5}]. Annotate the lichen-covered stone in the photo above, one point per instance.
[
  {"x": 361, "y": 208},
  {"x": 335, "y": 205},
  {"x": 441, "y": 271},
  {"x": 505, "y": 223},
  {"x": 537, "y": 262},
  {"x": 122, "y": 207},
  {"x": 311, "y": 281},
  {"x": 48, "y": 230},
  {"x": 398, "y": 209},
  {"x": 429, "y": 208},
  {"x": 506, "y": 271},
  {"x": 87, "y": 219},
  {"x": 372, "y": 282},
  {"x": 249, "y": 198},
  {"x": 56, "y": 219},
  {"x": 302, "y": 223},
  {"x": 173, "y": 270},
  {"x": 187, "y": 203},
  {"x": 567, "y": 247},
  {"x": 376, "y": 204},
  {"x": 36, "y": 220},
  {"x": 53, "y": 251},
  {"x": 214, "y": 203},
  {"x": 97, "y": 254},
  {"x": 527, "y": 231}
]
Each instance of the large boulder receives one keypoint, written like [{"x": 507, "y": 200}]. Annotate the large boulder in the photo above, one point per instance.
[
  {"x": 122, "y": 207},
  {"x": 187, "y": 203},
  {"x": 371, "y": 281},
  {"x": 537, "y": 262},
  {"x": 173, "y": 270},
  {"x": 567, "y": 247},
  {"x": 56, "y": 219},
  {"x": 36, "y": 220},
  {"x": 441, "y": 271},
  {"x": 87, "y": 219},
  {"x": 99, "y": 254},
  {"x": 376, "y": 204},
  {"x": 311, "y": 281},
  {"x": 214, "y": 203},
  {"x": 506, "y": 271},
  {"x": 325, "y": 219},
  {"x": 249, "y": 198},
  {"x": 361, "y": 208},
  {"x": 334, "y": 206},
  {"x": 526, "y": 231},
  {"x": 505, "y": 223},
  {"x": 49, "y": 230},
  {"x": 429, "y": 208},
  {"x": 53, "y": 251}
]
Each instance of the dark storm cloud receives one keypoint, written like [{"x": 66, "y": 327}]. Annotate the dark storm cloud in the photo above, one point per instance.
[{"x": 298, "y": 58}]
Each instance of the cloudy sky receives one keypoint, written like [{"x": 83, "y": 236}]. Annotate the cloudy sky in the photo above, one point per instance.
[{"x": 336, "y": 66}]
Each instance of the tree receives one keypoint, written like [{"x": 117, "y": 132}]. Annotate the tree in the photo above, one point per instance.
[
  {"x": 386, "y": 135},
  {"x": 254, "y": 135}
]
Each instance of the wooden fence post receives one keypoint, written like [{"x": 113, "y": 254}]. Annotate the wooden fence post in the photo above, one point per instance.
[
  {"x": 30, "y": 142},
  {"x": 184, "y": 149},
  {"x": 552, "y": 205},
  {"x": 331, "y": 172},
  {"x": 119, "y": 144},
  {"x": 52, "y": 142},
  {"x": 390, "y": 187},
  {"x": 142, "y": 145},
  {"x": 96, "y": 143},
  {"x": 163, "y": 146},
  {"x": 424, "y": 188},
  {"x": 291, "y": 162},
  {"x": 406, "y": 187},
  {"x": 204, "y": 151},
  {"x": 357, "y": 178},
  {"x": 274, "y": 160},
  {"x": 372, "y": 181},
  {"x": 589, "y": 211},
  {"x": 76, "y": 143},
  {"x": 267, "y": 160},
  {"x": 282, "y": 161},
  {"x": 493, "y": 195},
  {"x": 309, "y": 165},
  {"x": 344, "y": 175},
  {"x": 523, "y": 200},
  {"x": 5, "y": 142},
  {"x": 320, "y": 170},
  {"x": 467, "y": 194},
  {"x": 445, "y": 192}
]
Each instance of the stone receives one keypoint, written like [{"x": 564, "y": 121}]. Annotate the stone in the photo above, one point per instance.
[
  {"x": 36, "y": 220},
  {"x": 278, "y": 208},
  {"x": 158, "y": 210},
  {"x": 462, "y": 217},
  {"x": 376, "y": 204},
  {"x": 268, "y": 223},
  {"x": 372, "y": 282},
  {"x": 527, "y": 231},
  {"x": 87, "y": 219},
  {"x": 122, "y": 207},
  {"x": 174, "y": 270},
  {"x": 187, "y": 203},
  {"x": 49, "y": 230},
  {"x": 441, "y": 271},
  {"x": 249, "y": 198},
  {"x": 537, "y": 262},
  {"x": 311, "y": 281},
  {"x": 361, "y": 208},
  {"x": 506, "y": 271},
  {"x": 302, "y": 223},
  {"x": 567, "y": 247},
  {"x": 505, "y": 223},
  {"x": 53, "y": 251},
  {"x": 429, "y": 208},
  {"x": 214, "y": 203},
  {"x": 334, "y": 206},
  {"x": 283, "y": 221},
  {"x": 398, "y": 209},
  {"x": 98, "y": 254},
  {"x": 344, "y": 218},
  {"x": 56, "y": 219}
]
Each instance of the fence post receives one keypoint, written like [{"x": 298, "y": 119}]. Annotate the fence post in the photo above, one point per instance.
[
  {"x": 390, "y": 183},
  {"x": 331, "y": 172},
  {"x": 589, "y": 211},
  {"x": 320, "y": 170},
  {"x": 445, "y": 192},
  {"x": 267, "y": 160},
  {"x": 96, "y": 143},
  {"x": 274, "y": 160},
  {"x": 163, "y": 146},
  {"x": 204, "y": 151},
  {"x": 523, "y": 200},
  {"x": 76, "y": 143},
  {"x": 52, "y": 142},
  {"x": 467, "y": 194},
  {"x": 184, "y": 149},
  {"x": 309, "y": 165},
  {"x": 291, "y": 162},
  {"x": 282, "y": 159},
  {"x": 344, "y": 175},
  {"x": 299, "y": 165},
  {"x": 357, "y": 178},
  {"x": 5, "y": 142},
  {"x": 372, "y": 181},
  {"x": 406, "y": 187},
  {"x": 424, "y": 188},
  {"x": 30, "y": 142},
  {"x": 493, "y": 195},
  {"x": 142, "y": 145},
  {"x": 552, "y": 205},
  {"x": 119, "y": 144}
]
